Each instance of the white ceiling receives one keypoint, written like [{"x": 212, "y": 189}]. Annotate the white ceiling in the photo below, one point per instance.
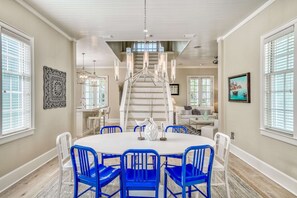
[{"x": 90, "y": 20}]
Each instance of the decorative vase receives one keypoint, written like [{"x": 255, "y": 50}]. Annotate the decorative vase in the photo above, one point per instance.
[{"x": 151, "y": 130}]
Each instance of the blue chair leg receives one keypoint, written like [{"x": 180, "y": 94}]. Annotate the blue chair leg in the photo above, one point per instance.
[
  {"x": 102, "y": 159},
  {"x": 157, "y": 192},
  {"x": 208, "y": 189},
  {"x": 75, "y": 192},
  {"x": 184, "y": 193},
  {"x": 165, "y": 185},
  {"x": 121, "y": 186},
  {"x": 189, "y": 191},
  {"x": 98, "y": 194}
]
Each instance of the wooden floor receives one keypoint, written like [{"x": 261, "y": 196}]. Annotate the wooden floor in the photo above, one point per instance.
[{"x": 32, "y": 184}]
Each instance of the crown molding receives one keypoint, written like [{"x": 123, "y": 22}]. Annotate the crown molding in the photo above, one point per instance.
[
  {"x": 44, "y": 19},
  {"x": 250, "y": 17}
]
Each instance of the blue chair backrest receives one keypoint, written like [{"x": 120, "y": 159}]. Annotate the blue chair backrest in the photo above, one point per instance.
[
  {"x": 139, "y": 128},
  {"x": 139, "y": 165},
  {"x": 83, "y": 160},
  {"x": 111, "y": 129},
  {"x": 177, "y": 129},
  {"x": 197, "y": 163}
]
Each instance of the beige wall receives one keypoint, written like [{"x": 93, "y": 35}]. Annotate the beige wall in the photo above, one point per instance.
[
  {"x": 53, "y": 50},
  {"x": 113, "y": 90},
  {"x": 181, "y": 79},
  {"x": 242, "y": 54}
]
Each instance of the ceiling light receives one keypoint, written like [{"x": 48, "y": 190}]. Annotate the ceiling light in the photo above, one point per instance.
[{"x": 82, "y": 75}]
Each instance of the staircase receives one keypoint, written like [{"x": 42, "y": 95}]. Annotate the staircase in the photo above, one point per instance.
[{"x": 145, "y": 98}]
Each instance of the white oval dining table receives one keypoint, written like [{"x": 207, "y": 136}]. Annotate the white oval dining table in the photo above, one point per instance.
[{"x": 118, "y": 143}]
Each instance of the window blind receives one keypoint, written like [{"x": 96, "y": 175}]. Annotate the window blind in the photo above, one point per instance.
[
  {"x": 279, "y": 81},
  {"x": 16, "y": 82}
]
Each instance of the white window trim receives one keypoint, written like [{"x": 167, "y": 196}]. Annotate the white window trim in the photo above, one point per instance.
[
  {"x": 188, "y": 90},
  {"x": 267, "y": 132},
  {"x": 27, "y": 132}
]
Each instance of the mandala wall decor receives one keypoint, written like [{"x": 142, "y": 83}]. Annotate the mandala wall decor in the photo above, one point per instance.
[{"x": 54, "y": 88}]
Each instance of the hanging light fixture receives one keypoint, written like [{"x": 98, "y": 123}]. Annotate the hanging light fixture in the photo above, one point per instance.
[
  {"x": 116, "y": 64},
  {"x": 82, "y": 75},
  {"x": 173, "y": 70},
  {"x": 94, "y": 78},
  {"x": 160, "y": 70},
  {"x": 130, "y": 62},
  {"x": 145, "y": 31}
]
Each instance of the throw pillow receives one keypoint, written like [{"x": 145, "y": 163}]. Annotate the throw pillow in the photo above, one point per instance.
[{"x": 196, "y": 112}]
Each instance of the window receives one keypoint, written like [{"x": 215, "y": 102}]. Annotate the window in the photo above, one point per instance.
[
  {"x": 16, "y": 81},
  {"x": 151, "y": 46},
  {"x": 96, "y": 96},
  {"x": 200, "y": 91},
  {"x": 278, "y": 74}
]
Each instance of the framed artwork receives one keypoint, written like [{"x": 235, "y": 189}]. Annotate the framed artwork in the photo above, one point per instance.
[
  {"x": 174, "y": 88},
  {"x": 54, "y": 88},
  {"x": 239, "y": 88}
]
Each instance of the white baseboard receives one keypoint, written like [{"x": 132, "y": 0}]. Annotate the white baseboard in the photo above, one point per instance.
[
  {"x": 16, "y": 175},
  {"x": 275, "y": 175}
]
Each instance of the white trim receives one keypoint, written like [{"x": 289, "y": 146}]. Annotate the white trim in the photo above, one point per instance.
[
  {"x": 44, "y": 19},
  {"x": 280, "y": 28},
  {"x": 16, "y": 175},
  {"x": 15, "y": 30},
  {"x": 14, "y": 136},
  {"x": 279, "y": 136},
  {"x": 272, "y": 173},
  {"x": 263, "y": 39},
  {"x": 23, "y": 133},
  {"x": 246, "y": 20}
]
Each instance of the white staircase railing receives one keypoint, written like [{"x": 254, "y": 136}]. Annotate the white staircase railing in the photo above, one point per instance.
[
  {"x": 170, "y": 112},
  {"x": 126, "y": 96},
  {"x": 123, "y": 106}
]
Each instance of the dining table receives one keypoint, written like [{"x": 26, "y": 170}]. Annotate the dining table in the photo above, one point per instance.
[{"x": 118, "y": 143}]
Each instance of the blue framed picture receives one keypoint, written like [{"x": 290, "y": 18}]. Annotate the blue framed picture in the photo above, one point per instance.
[{"x": 239, "y": 88}]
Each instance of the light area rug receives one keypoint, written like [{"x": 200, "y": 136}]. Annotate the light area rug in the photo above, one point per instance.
[{"x": 238, "y": 189}]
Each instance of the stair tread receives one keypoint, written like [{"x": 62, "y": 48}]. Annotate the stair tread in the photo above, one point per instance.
[{"x": 145, "y": 98}]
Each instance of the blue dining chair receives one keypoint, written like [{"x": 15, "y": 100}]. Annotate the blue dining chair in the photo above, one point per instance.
[
  {"x": 110, "y": 129},
  {"x": 138, "y": 128},
  {"x": 175, "y": 129},
  {"x": 86, "y": 170},
  {"x": 140, "y": 171},
  {"x": 197, "y": 171}
]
